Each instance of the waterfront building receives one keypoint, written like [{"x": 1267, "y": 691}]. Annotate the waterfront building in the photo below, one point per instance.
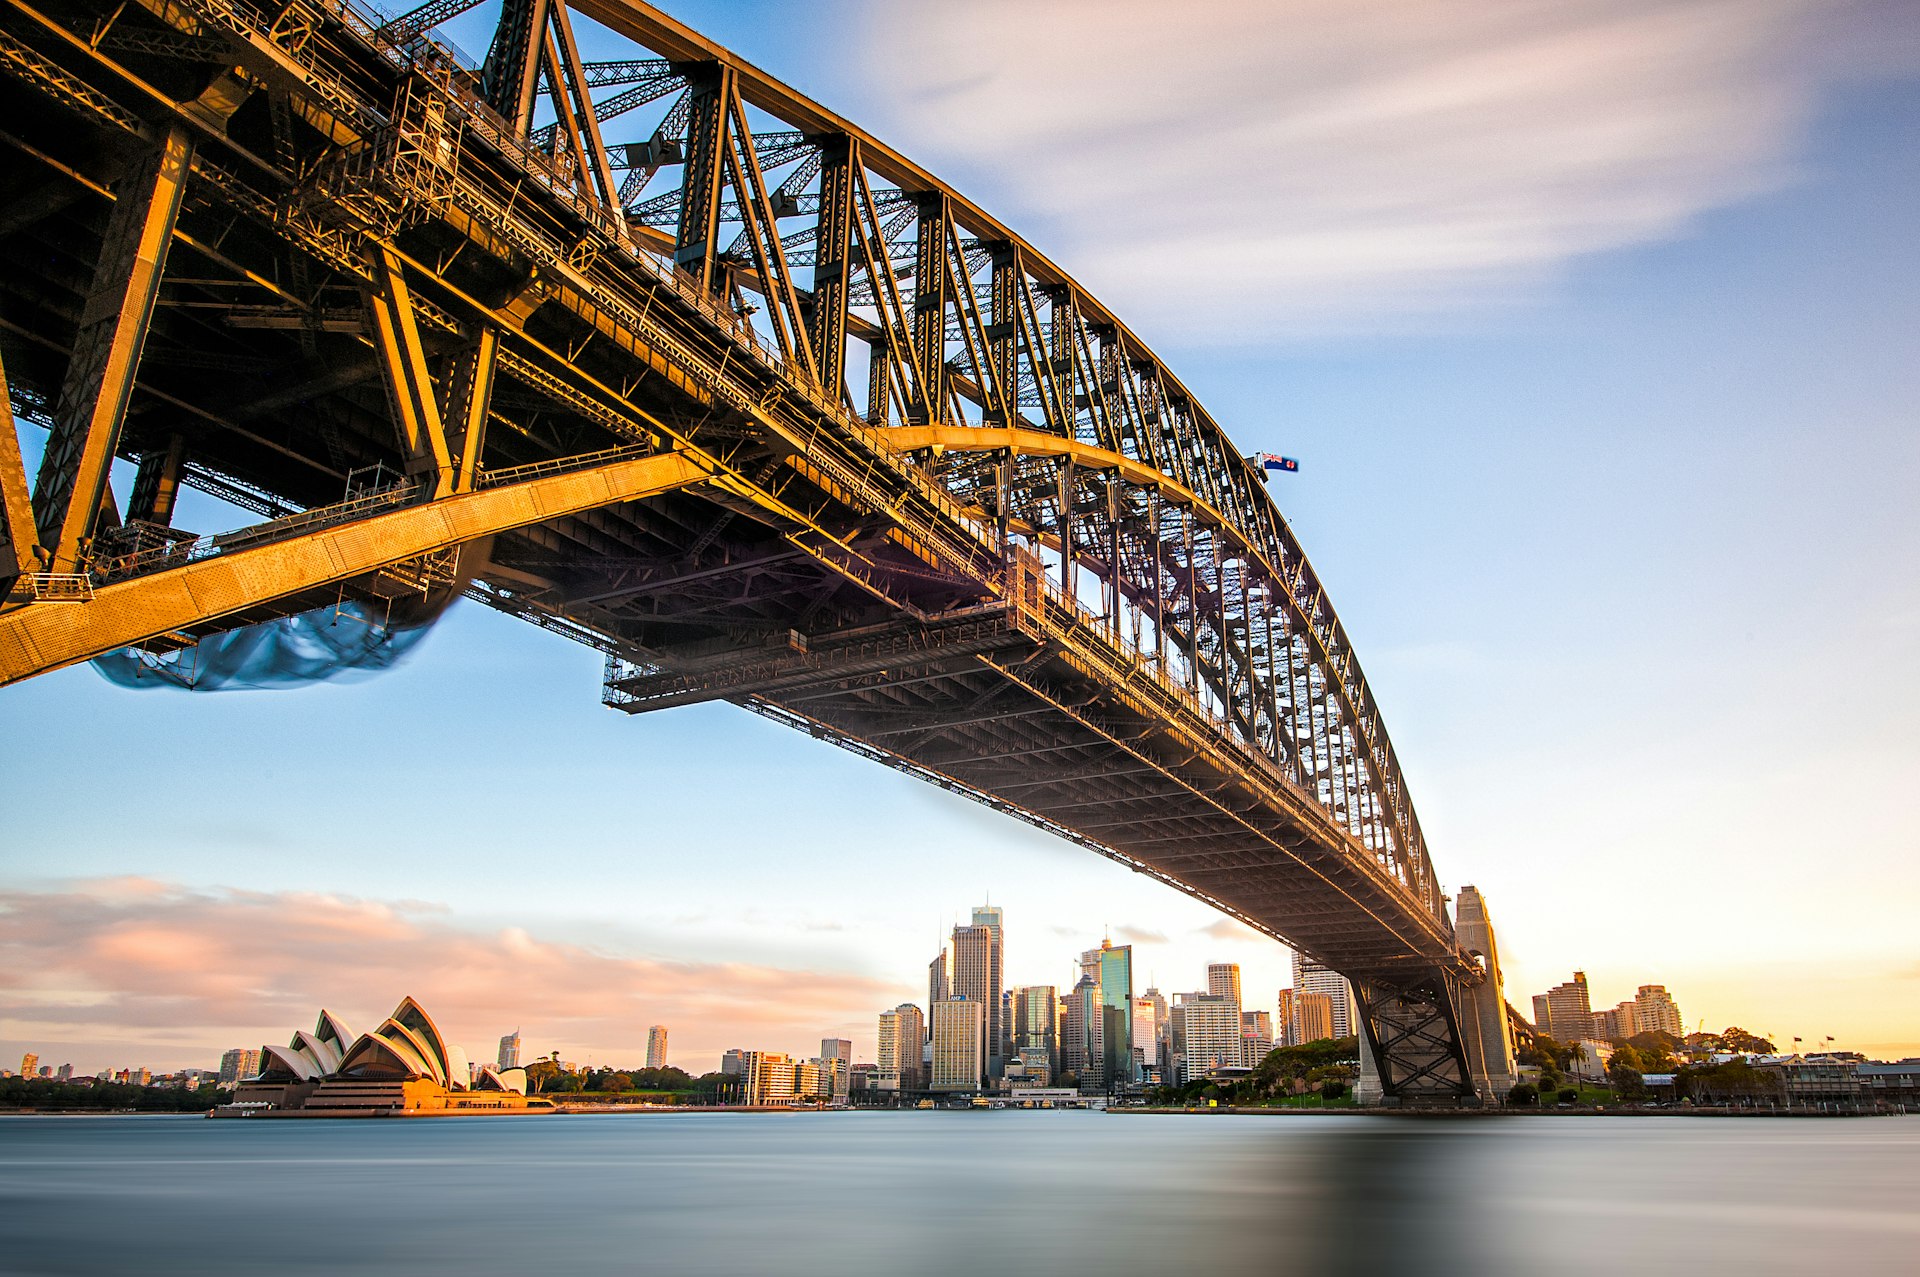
[
  {"x": 994, "y": 989},
  {"x": 1312, "y": 1017},
  {"x": 770, "y": 1077},
  {"x": 404, "y": 1067},
  {"x": 811, "y": 1081},
  {"x": 836, "y": 1056},
  {"x": 509, "y": 1057},
  {"x": 1569, "y": 1013},
  {"x": 1654, "y": 1011},
  {"x": 1311, "y": 977},
  {"x": 974, "y": 972},
  {"x": 1210, "y": 1034},
  {"x": 656, "y": 1046},
  {"x": 1036, "y": 1023},
  {"x": 734, "y": 1063},
  {"x": 238, "y": 1064},
  {"x": 1036, "y": 1067},
  {"x": 1256, "y": 1037},
  {"x": 959, "y": 1028},
  {"x": 902, "y": 1040}
]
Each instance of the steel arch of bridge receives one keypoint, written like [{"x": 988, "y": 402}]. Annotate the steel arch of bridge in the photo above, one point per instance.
[{"x": 704, "y": 375}]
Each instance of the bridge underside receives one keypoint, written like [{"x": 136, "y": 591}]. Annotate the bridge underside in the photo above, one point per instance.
[{"x": 888, "y": 476}]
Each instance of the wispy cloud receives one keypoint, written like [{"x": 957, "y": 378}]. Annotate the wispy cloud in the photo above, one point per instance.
[
  {"x": 1231, "y": 171},
  {"x": 1139, "y": 935},
  {"x": 1228, "y": 929},
  {"x": 177, "y": 973}
]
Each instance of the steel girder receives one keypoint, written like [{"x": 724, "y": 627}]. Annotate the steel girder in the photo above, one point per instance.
[{"x": 1060, "y": 473}]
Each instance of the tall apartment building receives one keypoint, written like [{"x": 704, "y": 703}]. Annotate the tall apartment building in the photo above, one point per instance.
[
  {"x": 239, "y": 1064},
  {"x": 974, "y": 971},
  {"x": 1312, "y": 1017},
  {"x": 1654, "y": 1011},
  {"x": 902, "y": 1033},
  {"x": 1036, "y": 1023},
  {"x": 1541, "y": 1013},
  {"x": 1615, "y": 1025},
  {"x": 1209, "y": 1033},
  {"x": 656, "y": 1046},
  {"x": 1569, "y": 1013},
  {"x": 1223, "y": 981},
  {"x": 1311, "y": 977},
  {"x": 1256, "y": 1037},
  {"x": 1162, "y": 1046},
  {"x": 1283, "y": 1020},
  {"x": 28, "y": 1063},
  {"x": 509, "y": 1057},
  {"x": 959, "y": 1033},
  {"x": 770, "y": 1077}
]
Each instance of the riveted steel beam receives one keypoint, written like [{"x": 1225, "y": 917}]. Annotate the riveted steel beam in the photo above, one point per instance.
[
  {"x": 36, "y": 639},
  {"x": 106, "y": 350}
]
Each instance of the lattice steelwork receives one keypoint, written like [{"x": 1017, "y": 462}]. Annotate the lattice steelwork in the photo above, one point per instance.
[{"x": 704, "y": 375}]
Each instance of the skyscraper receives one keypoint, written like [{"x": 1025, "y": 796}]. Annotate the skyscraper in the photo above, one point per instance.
[
  {"x": 999, "y": 1031},
  {"x": 975, "y": 976},
  {"x": 1210, "y": 1032},
  {"x": 1283, "y": 1020},
  {"x": 959, "y": 1027},
  {"x": 1083, "y": 1049},
  {"x": 1569, "y": 1013},
  {"x": 939, "y": 989},
  {"x": 902, "y": 1033},
  {"x": 657, "y": 1046},
  {"x": 836, "y": 1057},
  {"x": 1036, "y": 1022},
  {"x": 28, "y": 1063},
  {"x": 1223, "y": 981},
  {"x": 1145, "y": 1031},
  {"x": 1162, "y": 1053},
  {"x": 1654, "y": 1011},
  {"x": 509, "y": 1051},
  {"x": 1311, "y": 977},
  {"x": 1113, "y": 965}
]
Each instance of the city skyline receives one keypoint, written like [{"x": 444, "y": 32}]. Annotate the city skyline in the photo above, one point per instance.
[{"x": 1587, "y": 427}]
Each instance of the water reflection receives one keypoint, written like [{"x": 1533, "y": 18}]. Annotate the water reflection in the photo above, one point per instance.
[{"x": 959, "y": 1193}]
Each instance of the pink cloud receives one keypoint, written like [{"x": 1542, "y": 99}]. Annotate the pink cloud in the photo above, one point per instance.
[{"x": 139, "y": 971}]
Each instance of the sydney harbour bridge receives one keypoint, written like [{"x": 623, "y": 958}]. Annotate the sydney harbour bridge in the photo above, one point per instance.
[{"x": 664, "y": 357}]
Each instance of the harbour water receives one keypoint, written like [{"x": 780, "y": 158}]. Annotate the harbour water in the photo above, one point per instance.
[{"x": 960, "y": 1193}]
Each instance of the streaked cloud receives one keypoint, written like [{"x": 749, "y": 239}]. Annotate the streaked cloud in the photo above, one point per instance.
[
  {"x": 1139, "y": 935},
  {"x": 1229, "y": 930},
  {"x": 1226, "y": 171},
  {"x": 148, "y": 971}
]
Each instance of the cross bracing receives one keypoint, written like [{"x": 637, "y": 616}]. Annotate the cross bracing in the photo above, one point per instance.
[{"x": 926, "y": 497}]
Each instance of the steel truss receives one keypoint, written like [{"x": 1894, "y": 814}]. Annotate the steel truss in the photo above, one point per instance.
[{"x": 929, "y": 499}]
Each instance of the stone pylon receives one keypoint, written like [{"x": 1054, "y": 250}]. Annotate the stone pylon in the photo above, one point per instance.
[{"x": 1484, "y": 1030}]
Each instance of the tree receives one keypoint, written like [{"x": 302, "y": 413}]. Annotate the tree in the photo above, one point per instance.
[
  {"x": 1624, "y": 1076},
  {"x": 617, "y": 1083},
  {"x": 1523, "y": 1095},
  {"x": 1734, "y": 1038}
]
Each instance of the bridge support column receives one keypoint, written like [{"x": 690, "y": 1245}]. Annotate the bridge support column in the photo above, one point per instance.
[
  {"x": 106, "y": 349},
  {"x": 1410, "y": 1034}
]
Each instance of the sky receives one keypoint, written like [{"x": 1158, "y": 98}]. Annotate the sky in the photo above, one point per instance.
[{"x": 1594, "y": 328}]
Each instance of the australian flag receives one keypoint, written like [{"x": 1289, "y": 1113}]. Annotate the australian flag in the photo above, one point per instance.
[{"x": 1274, "y": 461}]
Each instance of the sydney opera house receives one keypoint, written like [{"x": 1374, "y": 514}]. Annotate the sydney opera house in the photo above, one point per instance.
[{"x": 404, "y": 1068}]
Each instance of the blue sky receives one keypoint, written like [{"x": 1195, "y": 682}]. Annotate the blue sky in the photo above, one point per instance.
[{"x": 1609, "y": 456}]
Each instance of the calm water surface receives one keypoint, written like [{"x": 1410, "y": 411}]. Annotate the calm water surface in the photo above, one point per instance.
[{"x": 960, "y": 1193}]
